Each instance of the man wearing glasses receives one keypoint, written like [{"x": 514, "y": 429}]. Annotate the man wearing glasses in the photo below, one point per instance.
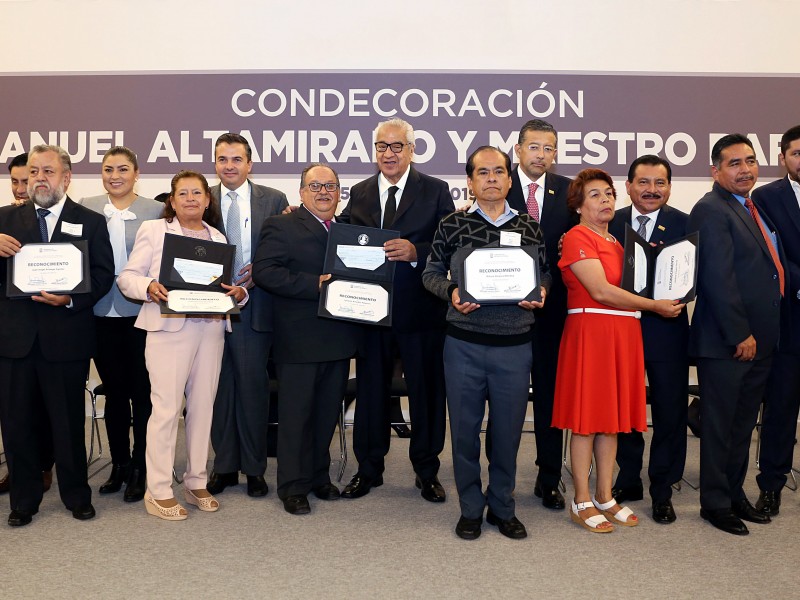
[
  {"x": 312, "y": 353},
  {"x": 401, "y": 198},
  {"x": 543, "y": 195}
]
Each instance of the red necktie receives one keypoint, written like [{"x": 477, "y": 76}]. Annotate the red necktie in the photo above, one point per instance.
[
  {"x": 327, "y": 225},
  {"x": 533, "y": 208},
  {"x": 748, "y": 204}
]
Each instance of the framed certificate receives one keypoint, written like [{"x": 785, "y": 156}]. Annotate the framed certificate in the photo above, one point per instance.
[
  {"x": 193, "y": 271},
  {"x": 498, "y": 275},
  {"x": 55, "y": 267},
  {"x": 663, "y": 272},
  {"x": 360, "y": 288}
]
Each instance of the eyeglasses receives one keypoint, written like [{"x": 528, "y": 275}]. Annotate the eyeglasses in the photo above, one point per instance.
[
  {"x": 316, "y": 187},
  {"x": 396, "y": 147}
]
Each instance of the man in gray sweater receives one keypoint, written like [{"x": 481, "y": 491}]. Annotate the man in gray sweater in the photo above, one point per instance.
[{"x": 487, "y": 351}]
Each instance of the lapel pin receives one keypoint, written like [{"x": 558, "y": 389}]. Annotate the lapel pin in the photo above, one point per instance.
[
  {"x": 662, "y": 228},
  {"x": 550, "y": 192}
]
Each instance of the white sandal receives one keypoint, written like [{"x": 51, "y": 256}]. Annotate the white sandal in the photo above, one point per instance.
[
  {"x": 591, "y": 523},
  {"x": 168, "y": 513},
  {"x": 622, "y": 516},
  {"x": 206, "y": 504}
]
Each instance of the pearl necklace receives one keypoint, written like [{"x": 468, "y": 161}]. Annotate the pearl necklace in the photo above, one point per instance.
[{"x": 608, "y": 238}]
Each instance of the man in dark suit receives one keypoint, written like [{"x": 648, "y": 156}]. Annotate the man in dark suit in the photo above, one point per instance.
[
  {"x": 239, "y": 427},
  {"x": 779, "y": 202},
  {"x": 735, "y": 328},
  {"x": 46, "y": 341},
  {"x": 401, "y": 198},
  {"x": 543, "y": 195},
  {"x": 666, "y": 344},
  {"x": 312, "y": 353},
  {"x": 18, "y": 170}
]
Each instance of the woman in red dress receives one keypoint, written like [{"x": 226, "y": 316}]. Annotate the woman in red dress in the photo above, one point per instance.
[{"x": 600, "y": 389}]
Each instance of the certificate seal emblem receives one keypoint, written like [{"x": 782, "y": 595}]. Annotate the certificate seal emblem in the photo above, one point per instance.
[
  {"x": 199, "y": 251},
  {"x": 363, "y": 239}
]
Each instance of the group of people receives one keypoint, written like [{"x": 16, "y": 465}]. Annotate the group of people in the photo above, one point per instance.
[{"x": 579, "y": 348}]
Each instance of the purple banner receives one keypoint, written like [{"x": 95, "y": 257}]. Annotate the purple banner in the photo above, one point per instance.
[{"x": 172, "y": 120}]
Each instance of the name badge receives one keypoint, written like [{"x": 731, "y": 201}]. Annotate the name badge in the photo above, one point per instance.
[
  {"x": 74, "y": 229},
  {"x": 510, "y": 238}
]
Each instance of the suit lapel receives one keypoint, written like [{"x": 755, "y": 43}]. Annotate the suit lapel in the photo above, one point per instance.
[
  {"x": 216, "y": 192},
  {"x": 748, "y": 221},
  {"x": 660, "y": 226},
  {"x": 67, "y": 215},
  {"x": 550, "y": 194},
  {"x": 789, "y": 201},
  {"x": 311, "y": 223},
  {"x": 257, "y": 216},
  {"x": 374, "y": 202},
  {"x": 410, "y": 194}
]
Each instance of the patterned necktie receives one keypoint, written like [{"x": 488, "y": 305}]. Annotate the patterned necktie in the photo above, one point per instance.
[
  {"x": 42, "y": 213},
  {"x": 533, "y": 207},
  {"x": 390, "y": 209},
  {"x": 748, "y": 204},
  {"x": 234, "y": 230},
  {"x": 643, "y": 221}
]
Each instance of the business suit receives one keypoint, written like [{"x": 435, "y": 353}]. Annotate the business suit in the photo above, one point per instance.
[
  {"x": 239, "y": 429},
  {"x": 778, "y": 201},
  {"x": 45, "y": 352},
  {"x": 666, "y": 344},
  {"x": 312, "y": 353},
  {"x": 738, "y": 296},
  {"x": 556, "y": 220},
  {"x": 417, "y": 332},
  {"x": 120, "y": 349},
  {"x": 183, "y": 357}
]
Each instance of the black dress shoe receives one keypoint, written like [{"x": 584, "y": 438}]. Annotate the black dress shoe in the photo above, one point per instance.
[
  {"x": 511, "y": 528},
  {"x": 468, "y": 529},
  {"x": 47, "y": 479},
  {"x": 137, "y": 483},
  {"x": 327, "y": 492},
  {"x": 119, "y": 473},
  {"x": 769, "y": 503},
  {"x": 432, "y": 489},
  {"x": 747, "y": 512},
  {"x": 627, "y": 494},
  {"x": 296, "y": 505},
  {"x": 663, "y": 512},
  {"x": 551, "y": 496},
  {"x": 5, "y": 484},
  {"x": 725, "y": 520},
  {"x": 360, "y": 485},
  {"x": 256, "y": 486},
  {"x": 402, "y": 430},
  {"x": 219, "y": 481},
  {"x": 21, "y": 517},
  {"x": 83, "y": 513}
]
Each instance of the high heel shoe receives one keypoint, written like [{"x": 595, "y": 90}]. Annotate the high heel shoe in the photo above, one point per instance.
[
  {"x": 207, "y": 504},
  {"x": 171, "y": 513}
]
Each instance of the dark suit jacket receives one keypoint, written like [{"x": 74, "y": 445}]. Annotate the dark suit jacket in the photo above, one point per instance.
[
  {"x": 737, "y": 283},
  {"x": 264, "y": 202},
  {"x": 288, "y": 263},
  {"x": 556, "y": 221},
  {"x": 778, "y": 202},
  {"x": 664, "y": 339},
  {"x": 424, "y": 202},
  {"x": 63, "y": 333}
]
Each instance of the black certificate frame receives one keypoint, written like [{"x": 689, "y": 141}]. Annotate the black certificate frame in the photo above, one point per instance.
[
  {"x": 344, "y": 234},
  {"x": 181, "y": 246},
  {"x": 461, "y": 256},
  {"x": 632, "y": 240},
  {"x": 85, "y": 285}
]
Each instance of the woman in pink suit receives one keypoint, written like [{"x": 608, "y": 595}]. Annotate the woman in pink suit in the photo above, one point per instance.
[{"x": 183, "y": 354}]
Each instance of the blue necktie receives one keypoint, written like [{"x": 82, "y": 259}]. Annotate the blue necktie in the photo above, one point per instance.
[{"x": 42, "y": 213}]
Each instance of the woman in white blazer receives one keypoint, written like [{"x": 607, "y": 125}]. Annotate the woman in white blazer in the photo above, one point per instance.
[
  {"x": 183, "y": 354},
  {"x": 120, "y": 345}
]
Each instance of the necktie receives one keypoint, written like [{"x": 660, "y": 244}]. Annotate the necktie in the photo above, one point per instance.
[
  {"x": 327, "y": 225},
  {"x": 643, "y": 221},
  {"x": 533, "y": 207},
  {"x": 748, "y": 204},
  {"x": 234, "y": 230},
  {"x": 42, "y": 213},
  {"x": 391, "y": 207}
]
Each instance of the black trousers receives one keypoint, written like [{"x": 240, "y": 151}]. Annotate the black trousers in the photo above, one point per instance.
[
  {"x": 546, "y": 342},
  {"x": 31, "y": 389},
  {"x": 121, "y": 366}
]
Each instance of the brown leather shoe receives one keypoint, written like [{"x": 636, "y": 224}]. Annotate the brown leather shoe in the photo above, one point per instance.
[
  {"x": 5, "y": 484},
  {"x": 47, "y": 479}
]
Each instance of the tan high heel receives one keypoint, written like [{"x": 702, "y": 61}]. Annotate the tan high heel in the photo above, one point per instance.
[
  {"x": 206, "y": 504},
  {"x": 171, "y": 513}
]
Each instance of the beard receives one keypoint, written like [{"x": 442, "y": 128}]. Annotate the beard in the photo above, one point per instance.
[{"x": 46, "y": 198}]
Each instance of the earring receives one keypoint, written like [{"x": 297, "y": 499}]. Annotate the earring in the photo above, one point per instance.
[{"x": 578, "y": 211}]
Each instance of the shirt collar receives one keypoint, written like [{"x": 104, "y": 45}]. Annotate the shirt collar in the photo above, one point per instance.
[
  {"x": 243, "y": 191},
  {"x": 635, "y": 213},
  {"x": 56, "y": 209},
  {"x": 507, "y": 211},
  {"x": 795, "y": 186},
  {"x": 384, "y": 184},
  {"x": 525, "y": 181}
]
